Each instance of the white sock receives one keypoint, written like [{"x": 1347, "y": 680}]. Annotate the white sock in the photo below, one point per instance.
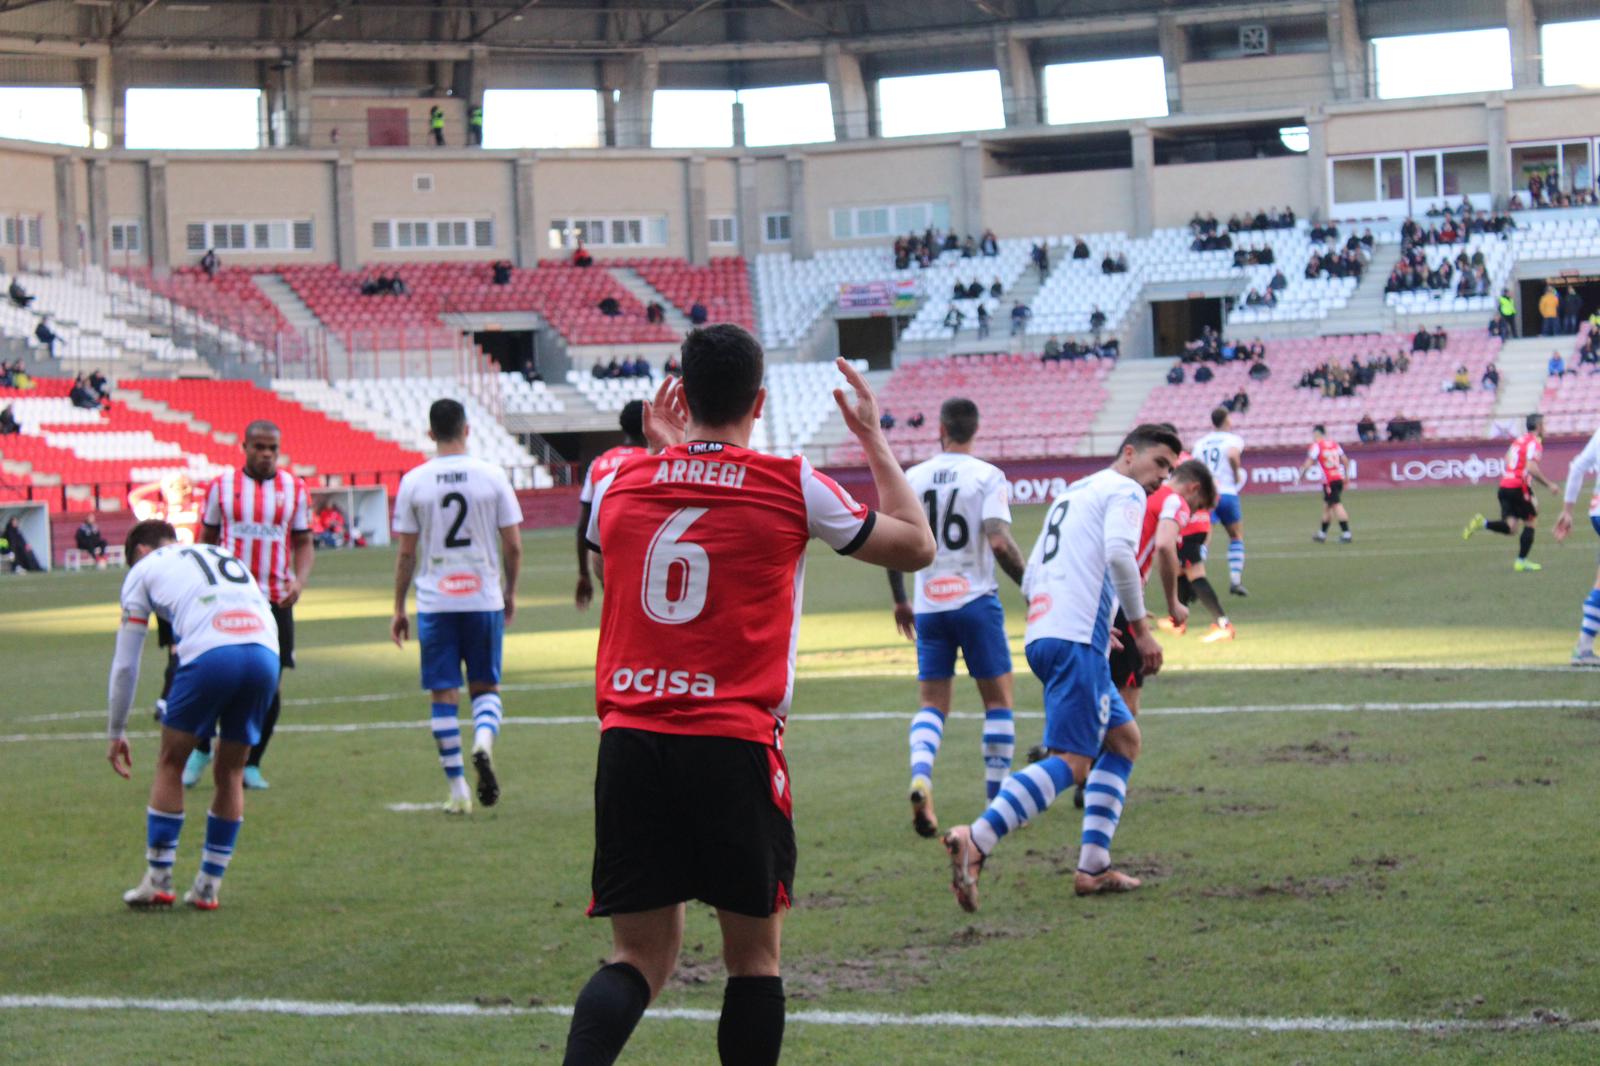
[
  {"x": 458, "y": 788},
  {"x": 486, "y": 715}
]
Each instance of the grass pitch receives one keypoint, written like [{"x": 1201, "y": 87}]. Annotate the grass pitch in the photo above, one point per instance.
[{"x": 1421, "y": 862}]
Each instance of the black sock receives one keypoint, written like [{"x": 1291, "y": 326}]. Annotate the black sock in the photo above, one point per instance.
[
  {"x": 267, "y": 726},
  {"x": 608, "y": 1008},
  {"x": 1499, "y": 525},
  {"x": 1527, "y": 542},
  {"x": 1324, "y": 527},
  {"x": 1185, "y": 590},
  {"x": 1344, "y": 527},
  {"x": 751, "y": 1030},
  {"x": 1208, "y": 596}
]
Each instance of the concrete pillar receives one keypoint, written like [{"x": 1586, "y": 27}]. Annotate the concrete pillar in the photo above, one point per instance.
[
  {"x": 1144, "y": 180},
  {"x": 698, "y": 242},
  {"x": 344, "y": 212},
  {"x": 1174, "y": 43},
  {"x": 799, "y": 229},
  {"x": 608, "y": 118},
  {"x": 1526, "y": 69},
  {"x": 641, "y": 75},
  {"x": 302, "y": 84},
  {"x": 529, "y": 232},
  {"x": 738, "y": 124},
  {"x": 852, "y": 107},
  {"x": 67, "y": 211},
  {"x": 1019, "y": 88},
  {"x": 101, "y": 92},
  {"x": 749, "y": 209},
  {"x": 160, "y": 228},
  {"x": 99, "y": 215},
  {"x": 1317, "y": 166},
  {"x": 971, "y": 187},
  {"x": 1348, "y": 50},
  {"x": 1499, "y": 152}
]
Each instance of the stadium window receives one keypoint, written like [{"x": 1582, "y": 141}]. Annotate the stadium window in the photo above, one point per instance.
[
  {"x": 787, "y": 114},
  {"x": 775, "y": 227},
  {"x": 541, "y": 118},
  {"x": 49, "y": 114},
  {"x": 1105, "y": 90},
  {"x": 483, "y": 232},
  {"x": 35, "y": 232},
  {"x": 126, "y": 237},
  {"x": 1567, "y": 50},
  {"x": 268, "y": 235},
  {"x": 608, "y": 232},
  {"x": 692, "y": 118},
  {"x": 940, "y": 103},
  {"x": 193, "y": 118},
  {"x": 381, "y": 237},
  {"x": 1437, "y": 64},
  {"x": 857, "y": 223},
  {"x": 722, "y": 230}
]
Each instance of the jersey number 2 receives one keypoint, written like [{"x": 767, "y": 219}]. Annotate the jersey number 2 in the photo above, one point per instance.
[
  {"x": 453, "y": 538},
  {"x": 676, "y": 571}
]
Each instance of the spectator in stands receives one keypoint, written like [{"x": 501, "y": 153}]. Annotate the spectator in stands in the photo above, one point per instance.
[
  {"x": 953, "y": 319},
  {"x": 581, "y": 256},
  {"x": 6, "y": 370},
  {"x": 1422, "y": 340},
  {"x": 1491, "y": 378},
  {"x": 969, "y": 248},
  {"x": 1462, "y": 382},
  {"x": 1439, "y": 339},
  {"x": 1259, "y": 371},
  {"x": 1041, "y": 259},
  {"x": 671, "y": 369},
  {"x": 1402, "y": 428},
  {"x": 917, "y": 421},
  {"x": 8, "y": 421},
  {"x": 1278, "y": 282},
  {"x": 996, "y": 289},
  {"x": 89, "y": 539},
  {"x": 1175, "y": 375},
  {"x": 14, "y": 544},
  {"x": 886, "y": 421},
  {"x": 1367, "y": 429},
  {"x": 1238, "y": 403},
  {"x": 530, "y": 369},
  {"x": 654, "y": 313},
  {"x": 990, "y": 244},
  {"x": 1549, "y": 310},
  {"x": 1097, "y": 322},
  {"x": 1556, "y": 367},
  {"x": 975, "y": 290},
  {"x": 1203, "y": 374},
  {"x": 328, "y": 526},
  {"x": 102, "y": 388},
  {"x": 1121, "y": 265},
  {"x": 210, "y": 263},
  {"x": 1052, "y": 350},
  {"x": 1508, "y": 314},
  {"x": 959, "y": 292},
  {"x": 983, "y": 321},
  {"x": 698, "y": 313},
  {"x": 1108, "y": 265},
  {"x": 598, "y": 371},
  {"x": 1080, "y": 248},
  {"x": 609, "y": 306},
  {"x": 18, "y": 294},
  {"x": 46, "y": 336},
  {"x": 1020, "y": 313},
  {"x": 1571, "y": 310},
  {"x": 502, "y": 271}
]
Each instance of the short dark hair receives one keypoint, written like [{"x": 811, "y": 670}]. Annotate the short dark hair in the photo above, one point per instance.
[
  {"x": 148, "y": 534},
  {"x": 959, "y": 418},
  {"x": 1148, "y": 435},
  {"x": 261, "y": 425},
  {"x": 722, "y": 370},
  {"x": 1195, "y": 471},
  {"x": 632, "y": 419},
  {"x": 1219, "y": 415},
  {"x": 447, "y": 419},
  {"x": 1319, "y": 428},
  {"x": 1534, "y": 420}
]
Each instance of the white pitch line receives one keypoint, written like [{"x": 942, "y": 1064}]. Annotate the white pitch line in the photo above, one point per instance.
[
  {"x": 405, "y": 808},
  {"x": 590, "y": 721},
  {"x": 935, "y": 1020}
]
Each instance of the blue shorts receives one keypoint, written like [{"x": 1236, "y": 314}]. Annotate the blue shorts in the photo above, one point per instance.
[
  {"x": 978, "y": 629},
  {"x": 1227, "y": 511},
  {"x": 449, "y": 638},
  {"x": 1594, "y": 520},
  {"x": 1081, "y": 704},
  {"x": 230, "y": 687}
]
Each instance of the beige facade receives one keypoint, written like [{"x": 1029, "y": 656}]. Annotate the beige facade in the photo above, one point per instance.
[
  {"x": 250, "y": 190},
  {"x": 1260, "y": 81},
  {"x": 1235, "y": 186}
]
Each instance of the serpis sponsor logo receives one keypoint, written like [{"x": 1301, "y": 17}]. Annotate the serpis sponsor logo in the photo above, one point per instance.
[
  {"x": 460, "y": 584},
  {"x": 659, "y": 681},
  {"x": 944, "y": 589},
  {"x": 1038, "y": 607},
  {"x": 1473, "y": 468},
  {"x": 237, "y": 623}
]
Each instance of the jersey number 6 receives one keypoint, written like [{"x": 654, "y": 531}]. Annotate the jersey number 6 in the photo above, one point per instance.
[{"x": 676, "y": 571}]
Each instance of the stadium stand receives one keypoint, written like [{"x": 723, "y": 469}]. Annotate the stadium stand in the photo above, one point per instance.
[
  {"x": 799, "y": 403},
  {"x": 611, "y": 394},
  {"x": 1571, "y": 402},
  {"x": 82, "y": 313},
  {"x": 230, "y": 301},
  {"x": 722, "y": 286}
]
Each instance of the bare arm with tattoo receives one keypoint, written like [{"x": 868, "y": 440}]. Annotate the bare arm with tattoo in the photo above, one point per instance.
[{"x": 1005, "y": 549}]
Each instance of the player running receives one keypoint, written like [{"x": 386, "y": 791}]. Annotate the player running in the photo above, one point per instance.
[
  {"x": 1517, "y": 505},
  {"x": 261, "y": 515},
  {"x": 1587, "y": 463},
  {"x": 1222, "y": 451},
  {"x": 1327, "y": 454},
  {"x": 703, "y": 553},
  {"x": 1192, "y": 582},
  {"x": 632, "y": 422},
  {"x": 464, "y": 516},
  {"x": 227, "y": 647},
  {"x": 958, "y": 604},
  {"x": 1084, "y": 564}
]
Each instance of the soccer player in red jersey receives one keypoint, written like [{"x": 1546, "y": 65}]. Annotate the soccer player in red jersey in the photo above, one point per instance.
[
  {"x": 632, "y": 422},
  {"x": 702, "y": 547},
  {"x": 1327, "y": 454},
  {"x": 1192, "y": 582},
  {"x": 1517, "y": 505}
]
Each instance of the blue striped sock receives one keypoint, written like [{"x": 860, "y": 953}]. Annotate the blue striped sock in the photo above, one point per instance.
[
  {"x": 447, "y": 734},
  {"x": 1024, "y": 795},
  {"x": 1103, "y": 795},
  {"x": 927, "y": 733},
  {"x": 221, "y": 835},
  {"x": 1591, "y": 621},
  {"x": 999, "y": 745},
  {"x": 486, "y": 715},
  {"x": 161, "y": 838},
  {"x": 1236, "y": 561}
]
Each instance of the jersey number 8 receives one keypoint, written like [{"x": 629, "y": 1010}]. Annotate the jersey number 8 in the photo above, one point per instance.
[
  {"x": 676, "y": 571},
  {"x": 1052, "y": 529}
]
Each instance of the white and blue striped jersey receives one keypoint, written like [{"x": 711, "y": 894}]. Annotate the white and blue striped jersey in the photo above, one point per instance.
[
  {"x": 205, "y": 593},
  {"x": 1068, "y": 580},
  {"x": 1586, "y": 463},
  {"x": 959, "y": 492},
  {"x": 1212, "y": 450}
]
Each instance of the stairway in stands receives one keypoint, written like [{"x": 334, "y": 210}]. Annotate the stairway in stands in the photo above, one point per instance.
[
  {"x": 1128, "y": 385},
  {"x": 1366, "y": 312},
  {"x": 1522, "y": 365}
]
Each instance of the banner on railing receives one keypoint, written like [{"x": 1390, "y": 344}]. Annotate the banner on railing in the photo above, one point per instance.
[{"x": 897, "y": 296}]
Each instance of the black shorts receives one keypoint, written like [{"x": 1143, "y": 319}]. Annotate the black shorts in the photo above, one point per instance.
[
  {"x": 1332, "y": 491},
  {"x": 1518, "y": 504},
  {"x": 680, "y": 818},
  {"x": 1192, "y": 548},
  {"x": 284, "y": 616},
  {"x": 1127, "y": 666}
]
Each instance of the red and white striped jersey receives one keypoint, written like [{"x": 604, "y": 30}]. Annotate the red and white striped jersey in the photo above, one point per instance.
[
  {"x": 1526, "y": 448},
  {"x": 1162, "y": 505},
  {"x": 1330, "y": 457},
  {"x": 256, "y": 519},
  {"x": 703, "y": 552}
]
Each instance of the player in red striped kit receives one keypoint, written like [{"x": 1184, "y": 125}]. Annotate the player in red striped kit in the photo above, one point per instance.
[
  {"x": 1517, "y": 505},
  {"x": 703, "y": 548},
  {"x": 261, "y": 515},
  {"x": 632, "y": 422},
  {"x": 1330, "y": 457}
]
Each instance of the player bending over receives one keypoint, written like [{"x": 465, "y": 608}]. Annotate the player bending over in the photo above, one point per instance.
[
  {"x": 1192, "y": 582},
  {"x": 1222, "y": 451},
  {"x": 227, "y": 648},
  {"x": 464, "y": 515},
  {"x": 1517, "y": 505},
  {"x": 958, "y": 604},
  {"x": 632, "y": 422},
  {"x": 703, "y": 553},
  {"x": 1084, "y": 564},
  {"x": 1331, "y": 458},
  {"x": 1587, "y": 463}
]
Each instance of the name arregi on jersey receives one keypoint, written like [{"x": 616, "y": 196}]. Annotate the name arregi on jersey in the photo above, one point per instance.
[
  {"x": 1525, "y": 449},
  {"x": 457, "y": 505},
  {"x": 205, "y": 594},
  {"x": 1163, "y": 505},
  {"x": 960, "y": 493},
  {"x": 1212, "y": 450},
  {"x": 1330, "y": 456},
  {"x": 1068, "y": 580},
  {"x": 703, "y": 548},
  {"x": 256, "y": 519},
  {"x": 603, "y": 466}
]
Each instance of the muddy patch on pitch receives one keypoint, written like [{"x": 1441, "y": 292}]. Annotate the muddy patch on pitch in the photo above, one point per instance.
[
  {"x": 1326, "y": 753},
  {"x": 1294, "y": 887},
  {"x": 1240, "y": 809}
]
